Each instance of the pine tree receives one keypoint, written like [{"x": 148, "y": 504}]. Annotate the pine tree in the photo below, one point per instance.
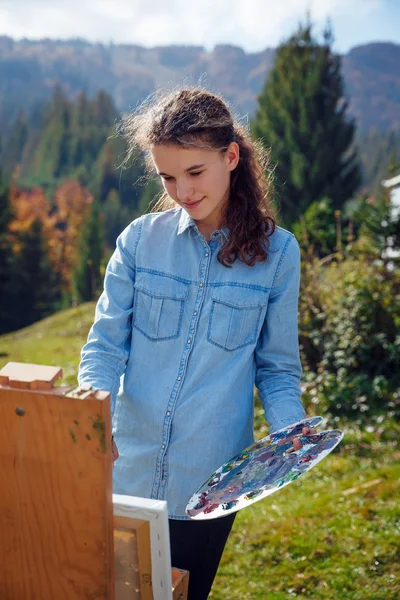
[
  {"x": 116, "y": 218},
  {"x": 87, "y": 276},
  {"x": 302, "y": 117},
  {"x": 15, "y": 142},
  {"x": 34, "y": 286},
  {"x": 150, "y": 195},
  {"x": 108, "y": 173},
  {"x": 5, "y": 258}
]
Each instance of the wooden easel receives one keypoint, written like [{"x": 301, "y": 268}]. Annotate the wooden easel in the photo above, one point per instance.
[{"x": 56, "y": 511}]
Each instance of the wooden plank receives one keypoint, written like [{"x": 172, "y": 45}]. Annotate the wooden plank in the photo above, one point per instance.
[
  {"x": 132, "y": 559},
  {"x": 180, "y": 584},
  {"x": 56, "y": 540},
  {"x": 29, "y": 376},
  {"x": 156, "y": 514}
]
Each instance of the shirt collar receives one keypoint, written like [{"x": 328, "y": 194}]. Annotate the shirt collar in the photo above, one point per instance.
[{"x": 186, "y": 222}]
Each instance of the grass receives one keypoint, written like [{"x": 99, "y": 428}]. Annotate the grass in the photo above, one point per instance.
[
  {"x": 56, "y": 341},
  {"x": 332, "y": 535}
]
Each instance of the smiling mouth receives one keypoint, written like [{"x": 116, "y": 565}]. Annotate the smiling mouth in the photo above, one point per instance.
[{"x": 190, "y": 204}]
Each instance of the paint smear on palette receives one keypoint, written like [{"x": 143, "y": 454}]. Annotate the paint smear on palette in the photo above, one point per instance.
[{"x": 262, "y": 469}]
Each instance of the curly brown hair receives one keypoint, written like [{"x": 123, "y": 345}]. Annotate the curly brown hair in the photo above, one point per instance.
[{"x": 198, "y": 118}]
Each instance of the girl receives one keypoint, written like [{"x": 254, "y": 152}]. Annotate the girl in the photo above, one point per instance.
[{"x": 199, "y": 304}]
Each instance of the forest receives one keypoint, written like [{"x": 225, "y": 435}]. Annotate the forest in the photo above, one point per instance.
[{"x": 64, "y": 199}]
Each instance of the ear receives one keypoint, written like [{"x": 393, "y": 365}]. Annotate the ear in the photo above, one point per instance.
[{"x": 232, "y": 155}]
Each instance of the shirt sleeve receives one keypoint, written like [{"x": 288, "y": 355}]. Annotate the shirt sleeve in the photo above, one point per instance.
[
  {"x": 106, "y": 352},
  {"x": 278, "y": 366}
]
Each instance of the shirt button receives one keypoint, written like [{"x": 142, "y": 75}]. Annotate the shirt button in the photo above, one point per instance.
[
  {"x": 189, "y": 341},
  {"x": 168, "y": 414},
  {"x": 195, "y": 313},
  {"x": 179, "y": 378},
  {"x": 206, "y": 255},
  {"x": 163, "y": 446},
  {"x": 201, "y": 285}
]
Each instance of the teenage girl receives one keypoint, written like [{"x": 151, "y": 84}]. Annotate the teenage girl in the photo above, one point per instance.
[{"x": 199, "y": 305}]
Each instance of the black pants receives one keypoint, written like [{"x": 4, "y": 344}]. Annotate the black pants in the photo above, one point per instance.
[{"x": 197, "y": 546}]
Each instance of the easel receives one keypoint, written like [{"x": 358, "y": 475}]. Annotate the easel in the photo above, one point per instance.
[{"x": 56, "y": 510}]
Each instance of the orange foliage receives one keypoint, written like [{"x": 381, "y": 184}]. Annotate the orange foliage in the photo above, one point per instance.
[
  {"x": 72, "y": 203},
  {"x": 61, "y": 222},
  {"x": 27, "y": 207}
]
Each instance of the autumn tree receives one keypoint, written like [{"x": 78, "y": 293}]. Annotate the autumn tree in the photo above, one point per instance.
[
  {"x": 61, "y": 221},
  {"x": 71, "y": 206}
]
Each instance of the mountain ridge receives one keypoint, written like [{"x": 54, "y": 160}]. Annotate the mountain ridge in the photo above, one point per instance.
[{"x": 29, "y": 70}]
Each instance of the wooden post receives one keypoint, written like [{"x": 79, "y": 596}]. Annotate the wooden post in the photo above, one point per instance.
[{"x": 56, "y": 540}]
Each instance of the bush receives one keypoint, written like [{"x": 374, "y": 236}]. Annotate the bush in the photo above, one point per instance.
[{"x": 350, "y": 336}]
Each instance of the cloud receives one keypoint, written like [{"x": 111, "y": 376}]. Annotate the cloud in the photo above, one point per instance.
[{"x": 252, "y": 24}]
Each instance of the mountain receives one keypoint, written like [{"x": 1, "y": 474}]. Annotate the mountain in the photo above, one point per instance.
[{"x": 30, "y": 69}]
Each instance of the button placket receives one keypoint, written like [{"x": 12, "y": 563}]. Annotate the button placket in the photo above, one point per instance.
[{"x": 159, "y": 483}]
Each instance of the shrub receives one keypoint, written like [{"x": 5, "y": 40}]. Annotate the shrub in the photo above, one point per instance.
[{"x": 350, "y": 336}]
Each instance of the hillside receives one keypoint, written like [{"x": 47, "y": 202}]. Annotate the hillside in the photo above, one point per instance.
[
  {"x": 30, "y": 69},
  {"x": 333, "y": 534},
  {"x": 55, "y": 341}
]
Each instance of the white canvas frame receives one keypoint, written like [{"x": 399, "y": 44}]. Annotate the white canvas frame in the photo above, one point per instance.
[{"x": 156, "y": 513}]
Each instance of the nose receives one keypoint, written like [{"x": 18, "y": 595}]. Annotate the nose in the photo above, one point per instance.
[{"x": 184, "y": 191}]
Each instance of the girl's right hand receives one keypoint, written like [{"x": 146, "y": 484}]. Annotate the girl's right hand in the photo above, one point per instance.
[{"x": 114, "y": 449}]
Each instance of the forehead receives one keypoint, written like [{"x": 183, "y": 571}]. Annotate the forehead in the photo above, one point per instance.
[{"x": 171, "y": 159}]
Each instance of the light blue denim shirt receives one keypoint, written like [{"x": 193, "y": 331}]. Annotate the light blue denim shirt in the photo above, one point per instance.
[{"x": 180, "y": 340}]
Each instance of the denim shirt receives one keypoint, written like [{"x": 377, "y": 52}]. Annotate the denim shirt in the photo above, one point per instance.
[{"x": 180, "y": 340}]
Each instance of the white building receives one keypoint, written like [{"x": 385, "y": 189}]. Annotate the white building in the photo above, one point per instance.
[{"x": 394, "y": 186}]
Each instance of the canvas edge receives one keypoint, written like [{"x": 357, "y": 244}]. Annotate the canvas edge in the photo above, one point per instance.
[{"x": 156, "y": 513}]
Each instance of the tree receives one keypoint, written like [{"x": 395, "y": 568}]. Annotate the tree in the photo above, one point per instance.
[
  {"x": 71, "y": 205},
  {"x": 16, "y": 141},
  {"x": 34, "y": 286},
  {"x": 6, "y": 256},
  {"x": 116, "y": 218},
  {"x": 317, "y": 228},
  {"x": 302, "y": 117},
  {"x": 150, "y": 195},
  {"x": 87, "y": 276}
]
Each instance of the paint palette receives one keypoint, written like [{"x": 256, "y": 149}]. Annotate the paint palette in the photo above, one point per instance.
[{"x": 262, "y": 469}]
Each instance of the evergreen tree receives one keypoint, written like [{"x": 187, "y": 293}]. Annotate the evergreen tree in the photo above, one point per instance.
[
  {"x": 6, "y": 256},
  {"x": 116, "y": 218},
  {"x": 104, "y": 110},
  {"x": 34, "y": 287},
  {"x": 108, "y": 173},
  {"x": 87, "y": 276},
  {"x": 15, "y": 142},
  {"x": 302, "y": 117},
  {"x": 150, "y": 195}
]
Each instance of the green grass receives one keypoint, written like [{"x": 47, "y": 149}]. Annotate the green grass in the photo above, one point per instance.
[
  {"x": 55, "y": 341},
  {"x": 331, "y": 535}
]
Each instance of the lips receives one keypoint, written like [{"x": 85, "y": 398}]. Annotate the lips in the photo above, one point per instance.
[{"x": 192, "y": 204}]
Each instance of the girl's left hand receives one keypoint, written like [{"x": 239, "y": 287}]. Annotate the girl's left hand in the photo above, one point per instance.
[{"x": 296, "y": 441}]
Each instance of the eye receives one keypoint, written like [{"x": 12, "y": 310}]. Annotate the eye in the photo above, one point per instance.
[
  {"x": 196, "y": 173},
  {"x": 166, "y": 178}
]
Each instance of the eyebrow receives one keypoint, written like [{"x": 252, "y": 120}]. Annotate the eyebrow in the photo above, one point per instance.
[{"x": 186, "y": 170}]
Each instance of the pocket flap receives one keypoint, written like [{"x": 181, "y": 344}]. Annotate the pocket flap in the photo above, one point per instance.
[
  {"x": 240, "y": 297},
  {"x": 161, "y": 286}
]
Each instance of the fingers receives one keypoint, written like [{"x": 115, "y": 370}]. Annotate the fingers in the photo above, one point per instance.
[
  {"x": 114, "y": 449},
  {"x": 296, "y": 441}
]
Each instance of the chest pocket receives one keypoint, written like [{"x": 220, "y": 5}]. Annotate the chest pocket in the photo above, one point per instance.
[
  {"x": 158, "y": 306},
  {"x": 235, "y": 318}
]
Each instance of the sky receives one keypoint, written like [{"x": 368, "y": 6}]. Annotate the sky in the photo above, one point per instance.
[{"x": 252, "y": 24}]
